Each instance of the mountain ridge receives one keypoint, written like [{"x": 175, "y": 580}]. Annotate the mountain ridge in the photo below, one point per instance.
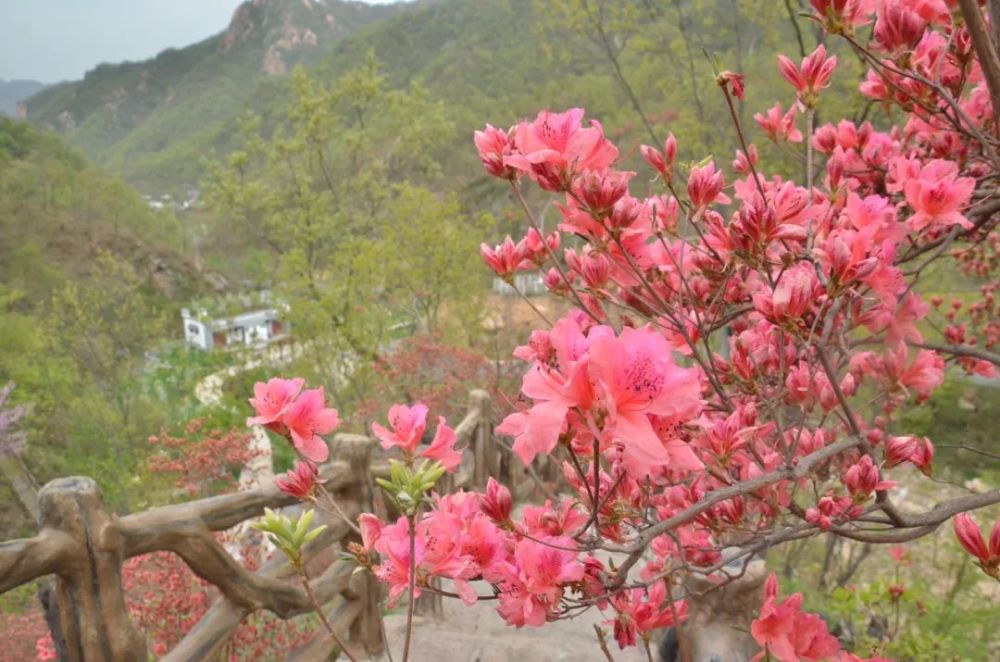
[{"x": 108, "y": 112}]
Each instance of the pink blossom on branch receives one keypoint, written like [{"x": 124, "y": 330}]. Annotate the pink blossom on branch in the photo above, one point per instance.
[
  {"x": 271, "y": 400},
  {"x": 971, "y": 538},
  {"x": 307, "y": 418},
  {"x": 937, "y": 196},
  {"x": 555, "y": 146},
  {"x": 788, "y": 634},
  {"x": 506, "y": 258},
  {"x": 300, "y": 481},
  {"x": 811, "y": 77},
  {"x": 631, "y": 378},
  {"x": 779, "y": 126},
  {"x": 495, "y": 148},
  {"x": 408, "y": 425},
  {"x": 301, "y": 418}
]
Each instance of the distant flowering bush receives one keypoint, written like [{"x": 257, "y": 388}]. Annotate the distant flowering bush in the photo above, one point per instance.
[
  {"x": 737, "y": 355},
  {"x": 202, "y": 461}
]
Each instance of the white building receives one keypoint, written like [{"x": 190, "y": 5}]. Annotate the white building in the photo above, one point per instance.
[
  {"x": 527, "y": 284},
  {"x": 245, "y": 329}
]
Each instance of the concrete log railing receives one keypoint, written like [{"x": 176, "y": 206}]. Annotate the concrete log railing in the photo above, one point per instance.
[{"x": 84, "y": 547}]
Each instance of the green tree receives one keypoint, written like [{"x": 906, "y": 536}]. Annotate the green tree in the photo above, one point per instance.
[{"x": 339, "y": 194}]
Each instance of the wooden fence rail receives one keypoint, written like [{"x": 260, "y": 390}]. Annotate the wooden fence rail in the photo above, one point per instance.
[{"x": 84, "y": 547}]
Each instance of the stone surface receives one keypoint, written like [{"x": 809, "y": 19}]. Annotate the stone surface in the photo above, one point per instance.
[{"x": 478, "y": 634}]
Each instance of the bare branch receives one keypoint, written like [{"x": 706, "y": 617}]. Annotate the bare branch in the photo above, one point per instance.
[{"x": 986, "y": 52}]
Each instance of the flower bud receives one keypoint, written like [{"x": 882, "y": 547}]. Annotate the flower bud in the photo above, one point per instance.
[{"x": 496, "y": 503}]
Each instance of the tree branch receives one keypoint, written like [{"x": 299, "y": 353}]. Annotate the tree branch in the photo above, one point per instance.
[
  {"x": 636, "y": 548},
  {"x": 961, "y": 350},
  {"x": 986, "y": 52}
]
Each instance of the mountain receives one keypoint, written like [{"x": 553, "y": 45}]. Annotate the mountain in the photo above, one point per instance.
[
  {"x": 153, "y": 122},
  {"x": 121, "y": 114},
  {"x": 13, "y": 92},
  {"x": 58, "y": 213}
]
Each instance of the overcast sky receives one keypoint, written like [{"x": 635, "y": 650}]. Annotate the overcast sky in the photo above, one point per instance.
[{"x": 53, "y": 40}]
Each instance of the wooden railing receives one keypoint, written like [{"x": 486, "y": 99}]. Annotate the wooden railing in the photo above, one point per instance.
[{"x": 84, "y": 547}]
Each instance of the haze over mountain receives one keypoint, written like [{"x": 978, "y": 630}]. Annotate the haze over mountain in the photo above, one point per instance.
[{"x": 14, "y": 91}]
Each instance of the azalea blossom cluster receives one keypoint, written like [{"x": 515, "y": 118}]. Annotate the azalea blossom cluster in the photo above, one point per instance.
[
  {"x": 299, "y": 416},
  {"x": 756, "y": 336},
  {"x": 737, "y": 354},
  {"x": 788, "y": 634}
]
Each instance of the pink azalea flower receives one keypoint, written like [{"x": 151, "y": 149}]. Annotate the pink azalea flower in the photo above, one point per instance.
[
  {"x": 555, "y": 389},
  {"x": 811, "y": 77},
  {"x": 874, "y": 217},
  {"x": 788, "y": 634},
  {"x": 736, "y": 82},
  {"x": 556, "y": 145},
  {"x": 924, "y": 375},
  {"x": 847, "y": 256},
  {"x": 637, "y": 377},
  {"x": 641, "y": 611},
  {"x": 705, "y": 186},
  {"x": 600, "y": 191},
  {"x": 862, "y": 479},
  {"x": 497, "y": 502},
  {"x": 271, "y": 399},
  {"x": 393, "y": 547},
  {"x": 506, "y": 258},
  {"x": 534, "y": 587},
  {"x": 844, "y": 12},
  {"x": 495, "y": 147},
  {"x": 898, "y": 27},
  {"x": 299, "y": 482},
  {"x": 442, "y": 447},
  {"x": 538, "y": 248},
  {"x": 408, "y": 425},
  {"x": 938, "y": 195},
  {"x": 779, "y": 126},
  {"x": 545, "y": 521},
  {"x": 654, "y": 158},
  {"x": 899, "y": 321},
  {"x": 371, "y": 529},
  {"x": 971, "y": 538},
  {"x": 828, "y": 137},
  {"x": 919, "y": 451},
  {"x": 443, "y": 533},
  {"x": 308, "y": 418},
  {"x": 794, "y": 296}
]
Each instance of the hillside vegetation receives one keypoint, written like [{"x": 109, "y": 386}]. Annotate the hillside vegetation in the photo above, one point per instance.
[
  {"x": 90, "y": 280},
  {"x": 128, "y": 116}
]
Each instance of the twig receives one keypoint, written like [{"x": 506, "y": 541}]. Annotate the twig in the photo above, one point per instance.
[
  {"x": 412, "y": 586},
  {"x": 301, "y": 570},
  {"x": 603, "y": 642}
]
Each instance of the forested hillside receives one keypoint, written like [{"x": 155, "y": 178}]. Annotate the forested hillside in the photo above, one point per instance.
[
  {"x": 131, "y": 116},
  {"x": 90, "y": 279}
]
